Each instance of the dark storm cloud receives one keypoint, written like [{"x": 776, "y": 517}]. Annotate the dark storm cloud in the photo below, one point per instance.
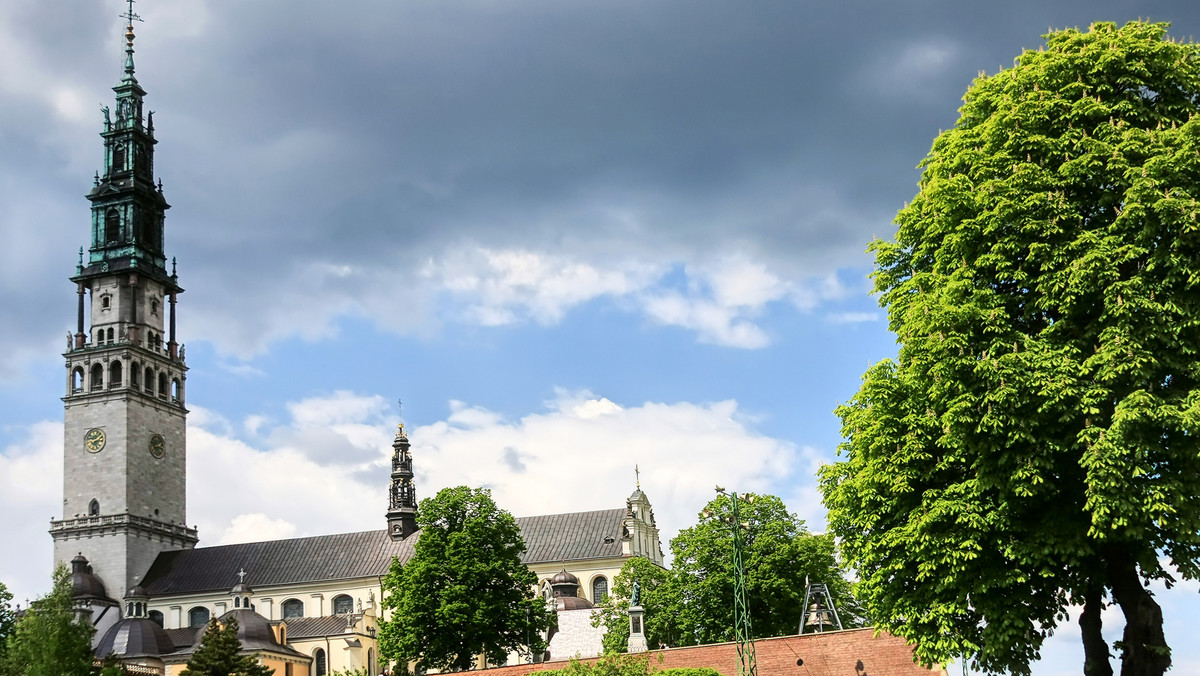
[{"x": 370, "y": 136}]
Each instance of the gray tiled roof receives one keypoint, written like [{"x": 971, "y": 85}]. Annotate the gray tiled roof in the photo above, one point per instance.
[
  {"x": 548, "y": 538},
  {"x": 307, "y": 627}
]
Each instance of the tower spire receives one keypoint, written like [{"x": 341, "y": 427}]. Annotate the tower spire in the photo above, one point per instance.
[
  {"x": 402, "y": 497},
  {"x": 129, "y": 16}
]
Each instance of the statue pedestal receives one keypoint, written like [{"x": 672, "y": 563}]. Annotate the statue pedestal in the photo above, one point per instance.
[{"x": 637, "y": 635}]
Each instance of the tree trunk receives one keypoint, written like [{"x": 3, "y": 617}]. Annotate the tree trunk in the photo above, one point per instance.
[
  {"x": 1144, "y": 650},
  {"x": 1095, "y": 651}
]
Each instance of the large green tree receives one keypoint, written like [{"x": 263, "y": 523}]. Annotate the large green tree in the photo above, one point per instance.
[
  {"x": 1035, "y": 442},
  {"x": 693, "y": 602},
  {"x": 465, "y": 591},
  {"x": 48, "y": 639},
  {"x": 779, "y": 554},
  {"x": 219, "y": 654}
]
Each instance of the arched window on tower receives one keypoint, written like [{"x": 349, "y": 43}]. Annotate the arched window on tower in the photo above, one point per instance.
[
  {"x": 176, "y": 393},
  {"x": 198, "y": 616},
  {"x": 149, "y": 380},
  {"x": 114, "y": 374},
  {"x": 599, "y": 589},
  {"x": 112, "y": 226},
  {"x": 162, "y": 385},
  {"x": 94, "y": 507},
  {"x": 135, "y": 375},
  {"x": 99, "y": 336},
  {"x": 97, "y": 379},
  {"x": 118, "y": 159},
  {"x": 343, "y": 604},
  {"x": 110, "y": 335},
  {"x": 77, "y": 380},
  {"x": 292, "y": 608}
]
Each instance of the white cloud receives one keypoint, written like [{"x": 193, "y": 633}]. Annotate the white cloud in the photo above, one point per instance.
[
  {"x": 577, "y": 454},
  {"x": 30, "y": 490},
  {"x": 852, "y": 317}
]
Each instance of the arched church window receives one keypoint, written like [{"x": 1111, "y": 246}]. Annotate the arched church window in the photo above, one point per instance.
[
  {"x": 94, "y": 507},
  {"x": 110, "y": 335},
  {"x": 106, "y": 301},
  {"x": 237, "y": 602},
  {"x": 162, "y": 385},
  {"x": 114, "y": 374},
  {"x": 112, "y": 225},
  {"x": 99, "y": 336},
  {"x": 176, "y": 395},
  {"x": 599, "y": 589},
  {"x": 118, "y": 161},
  {"x": 154, "y": 307},
  {"x": 370, "y": 662},
  {"x": 149, "y": 380},
  {"x": 343, "y": 604},
  {"x": 97, "y": 380},
  {"x": 198, "y": 616},
  {"x": 319, "y": 662},
  {"x": 77, "y": 380},
  {"x": 134, "y": 373},
  {"x": 292, "y": 608},
  {"x": 157, "y": 616}
]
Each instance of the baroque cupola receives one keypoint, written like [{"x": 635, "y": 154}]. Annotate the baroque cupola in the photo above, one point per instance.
[{"x": 402, "y": 496}]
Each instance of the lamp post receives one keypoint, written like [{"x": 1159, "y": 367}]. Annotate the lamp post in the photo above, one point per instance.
[{"x": 747, "y": 664}]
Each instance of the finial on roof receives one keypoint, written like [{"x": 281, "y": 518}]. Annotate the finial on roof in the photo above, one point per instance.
[
  {"x": 638, "y": 473},
  {"x": 241, "y": 573},
  {"x": 400, "y": 413},
  {"x": 129, "y": 16}
]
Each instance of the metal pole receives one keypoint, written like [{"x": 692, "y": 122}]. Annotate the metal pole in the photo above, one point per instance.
[{"x": 747, "y": 664}]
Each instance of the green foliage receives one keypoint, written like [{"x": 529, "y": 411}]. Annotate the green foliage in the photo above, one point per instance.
[
  {"x": 465, "y": 591},
  {"x": 693, "y": 603},
  {"x": 1036, "y": 437},
  {"x": 658, "y": 598},
  {"x": 218, "y": 654},
  {"x": 48, "y": 640},
  {"x": 778, "y": 554},
  {"x": 611, "y": 664},
  {"x": 617, "y": 664},
  {"x": 8, "y": 621}
]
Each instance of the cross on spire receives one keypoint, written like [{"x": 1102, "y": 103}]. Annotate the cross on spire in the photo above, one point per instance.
[
  {"x": 638, "y": 473},
  {"x": 129, "y": 15},
  {"x": 241, "y": 573}
]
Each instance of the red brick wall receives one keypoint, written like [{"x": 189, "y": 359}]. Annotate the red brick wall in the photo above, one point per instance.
[{"x": 854, "y": 652}]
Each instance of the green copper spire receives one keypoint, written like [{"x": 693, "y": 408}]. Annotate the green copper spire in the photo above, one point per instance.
[
  {"x": 127, "y": 206},
  {"x": 131, "y": 17}
]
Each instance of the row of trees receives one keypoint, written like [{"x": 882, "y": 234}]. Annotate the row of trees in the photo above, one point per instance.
[{"x": 465, "y": 591}]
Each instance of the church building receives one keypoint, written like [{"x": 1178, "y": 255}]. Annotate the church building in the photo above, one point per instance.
[{"x": 304, "y": 605}]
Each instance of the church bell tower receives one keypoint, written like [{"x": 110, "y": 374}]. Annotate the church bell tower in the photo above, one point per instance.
[{"x": 124, "y": 468}]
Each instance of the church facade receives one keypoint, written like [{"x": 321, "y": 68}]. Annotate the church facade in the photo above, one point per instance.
[{"x": 305, "y": 605}]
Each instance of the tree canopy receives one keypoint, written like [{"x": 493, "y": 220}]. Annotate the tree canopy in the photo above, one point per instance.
[
  {"x": 48, "y": 639},
  {"x": 1034, "y": 444},
  {"x": 218, "y": 654},
  {"x": 465, "y": 591},
  {"x": 8, "y": 620},
  {"x": 693, "y": 602}
]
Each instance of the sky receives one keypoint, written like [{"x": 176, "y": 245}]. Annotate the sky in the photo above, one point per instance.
[{"x": 573, "y": 236}]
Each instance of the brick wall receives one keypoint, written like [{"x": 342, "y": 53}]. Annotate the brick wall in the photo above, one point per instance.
[{"x": 854, "y": 652}]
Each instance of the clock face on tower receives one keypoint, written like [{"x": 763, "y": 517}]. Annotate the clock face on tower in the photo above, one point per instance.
[
  {"x": 93, "y": 440},
  {"x": 158, "y": 446}
]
